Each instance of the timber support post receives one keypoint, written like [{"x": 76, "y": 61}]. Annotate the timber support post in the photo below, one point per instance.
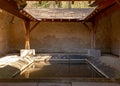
[
  {"x": 27, "y": 51},
  {"x": 27, "y": 35},
  {"x": 93, "y": 37},
  {"x": 94, "y": 51}
]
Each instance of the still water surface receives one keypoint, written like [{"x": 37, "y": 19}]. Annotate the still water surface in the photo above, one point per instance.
[{"x": 59, "y": 69}]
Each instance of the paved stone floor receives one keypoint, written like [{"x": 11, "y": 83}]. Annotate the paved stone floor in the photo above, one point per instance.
[
  {"x": 59, "y": 84},
  {"x": 111, "y": 60},
  {"x": 110, "y": 64}
]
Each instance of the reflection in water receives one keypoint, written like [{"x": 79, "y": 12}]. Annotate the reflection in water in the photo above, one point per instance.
[
  {"x": 59, "y": 69},
  {"x": 1, "y": 10}
]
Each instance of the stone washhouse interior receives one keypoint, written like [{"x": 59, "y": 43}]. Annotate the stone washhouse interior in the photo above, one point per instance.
[{"x": 60, "y": 42}]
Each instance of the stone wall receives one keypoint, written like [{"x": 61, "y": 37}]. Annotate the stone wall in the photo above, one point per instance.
[
  {"x": 115, "y": 33},
  {"x": 5, "y": 21},
  {"x": 103, "y": 32},
  {"x": 60, "y": 37},
  {"x": 108, "y": 34},
  {"x": 52, "y": 37},
  {"x": 17, "y": 35}
]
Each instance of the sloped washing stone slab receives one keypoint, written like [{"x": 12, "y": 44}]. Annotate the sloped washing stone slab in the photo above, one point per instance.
[{"x": 11, "y": 69}]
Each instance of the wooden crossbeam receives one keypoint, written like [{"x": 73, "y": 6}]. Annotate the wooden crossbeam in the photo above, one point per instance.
[
  {"x": 86, "y": 26},
  {"x": 106, "y": 3},
  {"x": 11, "y": 7},
  {"x": 33, "y": 27},
  {"x": 59, "y": 0}
]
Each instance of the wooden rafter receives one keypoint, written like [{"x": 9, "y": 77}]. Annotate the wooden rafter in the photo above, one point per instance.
[
  {"x": 86, "y": 26},
  {"x": 27, "y": 15},
  {"x": 102, "y": 6},
  {"x": 90, "y": 1},
  {"x": 118, "y": 1},
  {"x": 105, "y": 4},
  {"x": 108, "y": 11},
  {"x": 12, "y": 19},
  {"x": 59, "y": 0},
  {"x": 11, "y": 7}
]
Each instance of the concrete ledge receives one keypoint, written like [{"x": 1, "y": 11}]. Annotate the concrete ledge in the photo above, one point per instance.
[
  {"x": 14, "y": 68},
  {"x": 24, "y": 52},
  {"x": 94, "y": 53}
]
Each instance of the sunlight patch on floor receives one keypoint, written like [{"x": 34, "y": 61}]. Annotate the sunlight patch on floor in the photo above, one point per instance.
[{"x": 8, "y": 59}]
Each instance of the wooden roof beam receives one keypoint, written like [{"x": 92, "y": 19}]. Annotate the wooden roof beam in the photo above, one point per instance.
[
  {"x": 33, "y": 27},
  {"x": 11, "y": 7},
  {"x": 118, "y": 1},
  {"x": 59, "y": 0},
  {"x": 106, "y": 4},
  {"x": 101, "y": 6}
]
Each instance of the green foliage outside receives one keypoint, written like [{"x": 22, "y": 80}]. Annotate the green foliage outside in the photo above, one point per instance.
[{"x": 60, "y": 4}]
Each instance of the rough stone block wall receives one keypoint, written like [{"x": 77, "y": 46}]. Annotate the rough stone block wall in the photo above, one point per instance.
[
  {"x": 115, "y": 33},
  {"x": 17, "y": 35},
  {"x": 4, "y": 32},
  {"x": 52, "y": 37},
  {"x": 108, "y": 34},
  {"x": 60, "y": 37},
  {"x": 103, "y": 32}
]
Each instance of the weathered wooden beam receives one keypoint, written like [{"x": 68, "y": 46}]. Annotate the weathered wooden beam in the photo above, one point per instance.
[
  {"x": 106, "y": 5},
  {"x": 86, "y": 26},
  {"x": 40, "y": 2},
  {"x": 59, "y": 0},
  {"x": 118, "y": 1},
  {"x": 12, "y": 19},
  {"x": 31, "y": 18},
  {"x": 89, "y": 1},
  {"x": 11, "y": 7},
  {"x": 27, "y": 35},
  {"x": 33, "y": 27},
  {"x": 107, "y": 11},
  {"x": 21, "y": 4},
  {"x": 56, "y": 1},
  {"x": 72, "y": 1},
  {"x": 93, "y": 34}
]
